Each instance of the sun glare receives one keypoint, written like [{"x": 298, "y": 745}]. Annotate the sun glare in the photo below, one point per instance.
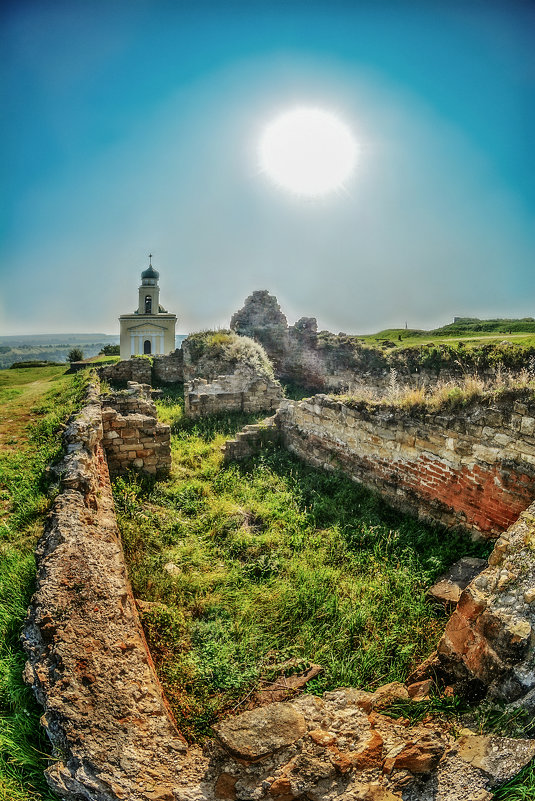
[{"x": 308, "y": 151}]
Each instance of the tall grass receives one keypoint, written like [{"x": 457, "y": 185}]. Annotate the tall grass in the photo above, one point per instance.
[
  {"x": 272, "y": 564},
  {"x": 444, "y": 395},
  {"x": 26, "y": 492}
]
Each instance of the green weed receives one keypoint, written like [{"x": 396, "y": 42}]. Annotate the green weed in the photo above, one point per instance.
[
  {"x": 274, "y": 561},
  {"x": 26, "y": 491}
]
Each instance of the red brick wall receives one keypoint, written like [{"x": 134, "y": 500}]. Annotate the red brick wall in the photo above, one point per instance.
[{"x": 474, "y": 467}]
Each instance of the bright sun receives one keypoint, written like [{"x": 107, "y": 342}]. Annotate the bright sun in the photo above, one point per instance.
[{"x": 308, "y": 151}]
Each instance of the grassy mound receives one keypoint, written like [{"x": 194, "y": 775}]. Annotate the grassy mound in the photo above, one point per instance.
[{"x": 214, "y": 353}]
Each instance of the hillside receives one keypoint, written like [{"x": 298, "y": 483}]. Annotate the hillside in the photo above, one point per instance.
[{"x": 469, "y": 329}]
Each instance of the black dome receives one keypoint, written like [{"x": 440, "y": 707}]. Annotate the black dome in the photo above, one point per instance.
[{"x": 150, "y": 272}]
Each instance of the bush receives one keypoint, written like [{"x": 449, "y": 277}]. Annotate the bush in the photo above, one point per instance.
[
  {"x": 110, "y": 350},
  {"x": 75, "y": 355}
]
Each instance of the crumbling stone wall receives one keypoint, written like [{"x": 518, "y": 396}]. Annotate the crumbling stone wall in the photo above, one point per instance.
[
  {"x": 112, "y": 732},
  {"x": 169, "y": 369},
  {"x": 323, "y": 361},
  {"x": 473, "y": 467},
  {"x": 210, "y": 354},
  {"x": 489, "y": 640},
  {"x": 243, "y": 391},
  {"x": 261, "y": 319},
  {"x": 135, "y": 369},
  {"x": 133, "y": 437},
  {"x": 251, "y": 441}
]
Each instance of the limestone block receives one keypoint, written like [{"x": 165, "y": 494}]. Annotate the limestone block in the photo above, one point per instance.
[{"x": 261, "y": 731}]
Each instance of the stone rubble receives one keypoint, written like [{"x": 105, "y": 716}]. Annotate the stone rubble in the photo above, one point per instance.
[
  {"x": 340, "y": 747},
  {"x": 489, "y": 641},
  {"x": 448, "y": 587}
]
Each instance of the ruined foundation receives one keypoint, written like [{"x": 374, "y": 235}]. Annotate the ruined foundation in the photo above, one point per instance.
[{"x": 115, "y": 739}]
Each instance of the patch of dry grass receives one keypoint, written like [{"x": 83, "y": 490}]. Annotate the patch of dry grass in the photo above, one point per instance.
[{"x": 443, "y": 395}]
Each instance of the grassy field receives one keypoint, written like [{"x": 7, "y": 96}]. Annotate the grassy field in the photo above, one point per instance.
[
  {"x": 33, "y": 405},
  {"x": 251, "y": 572},
  {"x": 470, "y": 332}
]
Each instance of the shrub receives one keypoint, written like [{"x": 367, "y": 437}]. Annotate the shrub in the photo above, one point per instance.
[
  {"x": 110, "y": 350},
  {"x": 75, "y": 355}
]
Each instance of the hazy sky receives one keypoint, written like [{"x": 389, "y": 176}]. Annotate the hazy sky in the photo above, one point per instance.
[{"x": 132, "y": 126}]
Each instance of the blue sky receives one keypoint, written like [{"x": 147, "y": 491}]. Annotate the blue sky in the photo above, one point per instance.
[{"x": 132, "y": 126}]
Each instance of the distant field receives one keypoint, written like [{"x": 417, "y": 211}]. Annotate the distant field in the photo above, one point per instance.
[
  {"x": 55, "y": 347},
  {"x": 470, "y": 331},
  {"x": 49, "y": 353},
  {"x": 20, "y": 391}
]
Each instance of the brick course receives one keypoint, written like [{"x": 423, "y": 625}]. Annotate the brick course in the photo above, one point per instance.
[
  {"x": 133, "y": 437},
  {"x": 473, "y": 468}
]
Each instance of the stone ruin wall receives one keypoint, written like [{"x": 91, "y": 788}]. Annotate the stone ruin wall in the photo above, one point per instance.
[
  {"x": 136, "y": 369},
  {"x": 328, "y": 362},
  {"x": 133, "y": 437},
  {"x": 488, "y": 646},
  {"x": 88, "y": 662},
  {"x": 473, "y": 468},
  {"x": 113, "y": 733},
  {"x": 169, "y": 369},
  {"x": 244, "y": 391}
]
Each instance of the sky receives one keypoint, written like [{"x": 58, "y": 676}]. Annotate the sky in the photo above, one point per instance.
[{"x": 133, "y": 126}]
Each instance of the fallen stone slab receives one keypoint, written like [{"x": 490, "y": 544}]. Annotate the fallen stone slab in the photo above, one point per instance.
[
  {"x": 448, "y": 587},
  {"x": 499, "y": 757}
]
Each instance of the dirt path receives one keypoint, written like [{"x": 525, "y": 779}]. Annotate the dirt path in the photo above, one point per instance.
[{"x": 19, "y": 401}]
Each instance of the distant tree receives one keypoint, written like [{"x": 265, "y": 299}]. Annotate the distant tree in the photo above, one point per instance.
[
  {"x": 75, "y": 355},
  {"x": 110, "y": 350}
]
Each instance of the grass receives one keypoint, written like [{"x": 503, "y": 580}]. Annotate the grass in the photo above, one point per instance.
[
  {"x": 471, "y": 332},
  {"x": 20, "y": 391},
  {"x": 252, "y": 571},
  {"x": 34, "y": 404}
]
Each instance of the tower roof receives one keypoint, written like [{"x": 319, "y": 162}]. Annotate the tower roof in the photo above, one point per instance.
[{"x": 150, "y": 272}]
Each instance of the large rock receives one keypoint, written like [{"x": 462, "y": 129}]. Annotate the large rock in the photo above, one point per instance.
[
  {"x": 448, "y": 587},
  {"x": 500, "y": 757},
  {"x": 489, "y": 641},
  {"x": 261, "y": 731}
]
